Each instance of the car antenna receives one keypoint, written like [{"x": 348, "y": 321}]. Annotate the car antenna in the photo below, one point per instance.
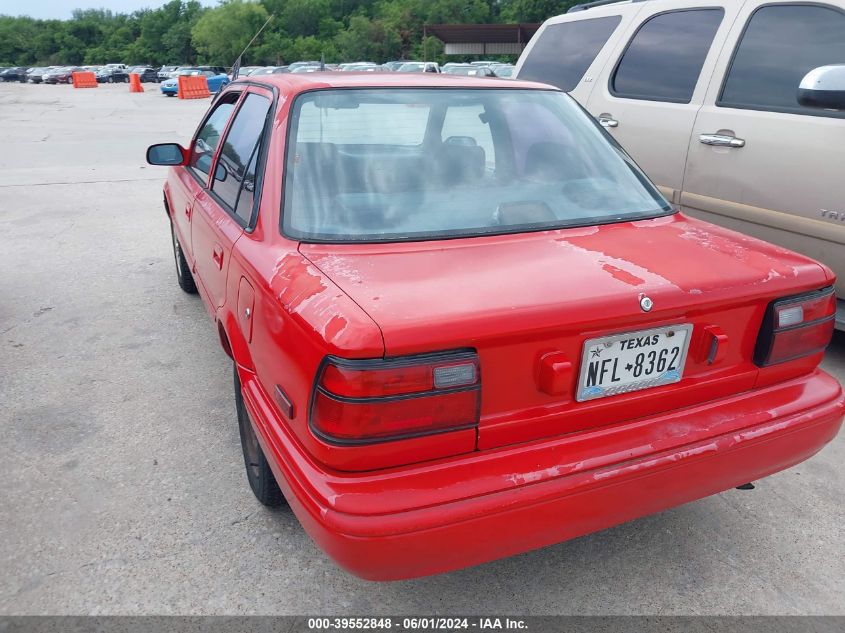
[{"x": 236, "y": 67}]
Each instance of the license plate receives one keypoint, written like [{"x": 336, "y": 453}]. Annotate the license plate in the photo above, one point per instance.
[{"x": 622, "y": 363}]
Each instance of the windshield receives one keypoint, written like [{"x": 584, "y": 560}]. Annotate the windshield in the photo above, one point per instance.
[{"x": 453, "y": 162}]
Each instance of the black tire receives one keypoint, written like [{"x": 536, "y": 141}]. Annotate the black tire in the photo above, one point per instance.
[
  {"x": 111, "y": 80},
  {"x": 183, "y": 271},
  {"x": 258, "y": 472}
]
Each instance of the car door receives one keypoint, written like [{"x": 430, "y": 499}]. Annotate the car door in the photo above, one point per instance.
[
  {"x": 186, "y": 183},
  {"x": 224, "y": 209},
  {"x": 649, "y": 95},
  {"x": 758, "y": 161}
]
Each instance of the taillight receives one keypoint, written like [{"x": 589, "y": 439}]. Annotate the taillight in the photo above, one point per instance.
[
  {"x": 796, "y": 327},
  {"x": 357, "y": 401}
]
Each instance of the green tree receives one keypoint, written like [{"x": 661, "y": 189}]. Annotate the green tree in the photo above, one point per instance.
[
  {"x": 371, "y": 40},
  {"x": 534, "y": 10},
  {"x": 221, "y": 33}
]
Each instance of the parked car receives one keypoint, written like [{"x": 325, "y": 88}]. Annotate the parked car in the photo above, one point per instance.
[
  {"x": 165, "y": 72},
  {"x": 17, "y": 73},
  {"x": 245, "y": 71},
  {"x": 480, "y": 330},
  {"x": 216, "y": 81},
  {"x": 310, "y": 69},
  {"x": 366, "y": 67},
  {"x": 419, "y": 67},
  {"x": 468, "y": 70},
  {"x": 394, "y": 65},
  {"x": 217, "y": 70},
  {"x": 146, "y": 74},
  {"x": 34, "y": 75},
  {"x": 713, "y": 112},
  {"x": 63, "y": 75},
  {"x": 271, "y": 70},
  {"x": 112, "y": 75},
  {"x": 505, "y": 71},
  {"x": 301, "y": 64},
  {"x": 344, "y": 67}
]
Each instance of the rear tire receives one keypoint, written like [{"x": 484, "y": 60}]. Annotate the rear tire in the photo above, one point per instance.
[
  {"x": 183, "y": 271},
  {"x": 261, "y": 479}
]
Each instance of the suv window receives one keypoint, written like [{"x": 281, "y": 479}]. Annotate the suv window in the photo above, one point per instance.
[
  {"x": 664, "y": 59},
  {"x": 202, "y": 152},
  {"x": 781, "y": 44},
  {"x": 564, "y": 51},
  {"x": 237, "y": 158}
]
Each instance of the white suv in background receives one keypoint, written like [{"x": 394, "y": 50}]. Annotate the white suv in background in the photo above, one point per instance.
[{"x": 704, "y": 94}]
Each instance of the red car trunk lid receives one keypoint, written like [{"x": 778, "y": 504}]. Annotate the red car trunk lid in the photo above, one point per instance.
[{"x": 520, "y": 299}]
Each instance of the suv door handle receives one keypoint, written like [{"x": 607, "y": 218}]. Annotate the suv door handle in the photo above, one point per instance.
[
  {"x": 607, "y": 120},
  {"x": 722, "y": 140}
]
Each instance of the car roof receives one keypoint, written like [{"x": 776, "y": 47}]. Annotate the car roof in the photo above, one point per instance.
[{"x": 296, "y": 83}]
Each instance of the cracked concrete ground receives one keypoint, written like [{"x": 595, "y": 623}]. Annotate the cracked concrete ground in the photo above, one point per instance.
[{"x": 123, "y": 489}]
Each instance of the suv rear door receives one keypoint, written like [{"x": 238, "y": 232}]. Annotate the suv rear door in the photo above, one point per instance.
[
  {"x": 782, "y": 179},
  {"x": 649, "y": 94}
]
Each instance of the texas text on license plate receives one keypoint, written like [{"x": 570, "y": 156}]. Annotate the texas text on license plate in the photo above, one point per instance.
[{"x": 621, "y": 363}]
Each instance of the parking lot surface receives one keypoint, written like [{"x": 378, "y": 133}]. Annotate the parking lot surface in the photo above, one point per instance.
[{"x": 123, "y": 488}]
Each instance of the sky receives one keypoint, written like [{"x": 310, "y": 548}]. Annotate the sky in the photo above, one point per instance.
[{"x": 61, "y": 9}]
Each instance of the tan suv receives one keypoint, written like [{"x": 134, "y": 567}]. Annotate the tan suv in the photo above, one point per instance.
[{"x": 705, "y": 95}]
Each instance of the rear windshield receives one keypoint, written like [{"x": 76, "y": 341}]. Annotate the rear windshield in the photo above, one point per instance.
[{"x": 414, "y": 164}]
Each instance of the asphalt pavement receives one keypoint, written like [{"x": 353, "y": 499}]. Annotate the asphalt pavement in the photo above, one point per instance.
[{"x": 123, "y": 489}]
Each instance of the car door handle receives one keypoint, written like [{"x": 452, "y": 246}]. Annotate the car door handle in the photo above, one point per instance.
[
  {"x": 217, "y": 256},
  {"x": 188, "y": 210},
  {"x": 722, "y": 140},
  {"x": 606, "y": 121}
]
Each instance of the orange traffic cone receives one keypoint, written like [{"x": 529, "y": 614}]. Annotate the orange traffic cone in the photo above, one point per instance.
[{"x": 135, "y": 83}]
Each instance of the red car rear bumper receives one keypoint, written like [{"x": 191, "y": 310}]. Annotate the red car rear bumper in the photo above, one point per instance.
[{"x": 439, "y": 516}]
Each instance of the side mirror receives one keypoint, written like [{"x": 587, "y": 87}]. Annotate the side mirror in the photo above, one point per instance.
[
  {"x": 823, "y": 87},
  {"x": 166, "y": 154}
]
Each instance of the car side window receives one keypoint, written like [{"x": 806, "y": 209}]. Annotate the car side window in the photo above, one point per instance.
[
  {"x": 564, "y": 51},
  {"x": 235, "y": 172},
  {"x": 664, "y": 59},
  {"x": 780, "y": 45},
  {"x": 202, "y": 152}
]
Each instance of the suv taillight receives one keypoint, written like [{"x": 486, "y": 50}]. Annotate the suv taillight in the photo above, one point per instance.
[
  {"x": 358, "y": 401},
  {"x": 795, "y": 327}
]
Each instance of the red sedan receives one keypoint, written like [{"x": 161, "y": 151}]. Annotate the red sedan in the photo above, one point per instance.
[{"x": 464, "y": 324}]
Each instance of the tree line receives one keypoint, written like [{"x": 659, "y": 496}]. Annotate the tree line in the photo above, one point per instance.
[{"x": 186, "y": 32}]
